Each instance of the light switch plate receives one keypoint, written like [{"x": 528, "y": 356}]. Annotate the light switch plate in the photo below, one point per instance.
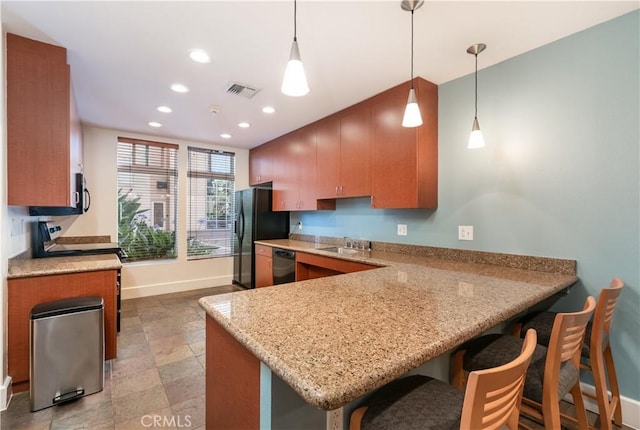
[
  {"x": 465, "y": 232},
  {"x": 402, "y": 229}
]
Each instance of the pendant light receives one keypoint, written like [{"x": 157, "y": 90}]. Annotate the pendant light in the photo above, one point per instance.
[
  {"x": 412, "y": 117},
  {"x": 476, "y": 140},
  {"x": 294, "y": 83}
]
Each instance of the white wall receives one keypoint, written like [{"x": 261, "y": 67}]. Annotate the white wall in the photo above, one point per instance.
[{"x": 147, "y": 278}]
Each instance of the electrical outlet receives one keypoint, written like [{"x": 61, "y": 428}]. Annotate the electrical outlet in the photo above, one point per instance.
[
  {"x": 402, "y": 229},
  {"x": 465, "y": 232},
  {"x": 299, "y": 225}
]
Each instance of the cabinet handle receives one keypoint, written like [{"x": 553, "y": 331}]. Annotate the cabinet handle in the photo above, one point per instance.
[
  {"x": 337, "y": 190},
  {"x": 76, "y": 198},
  {"x": 372, "y": 202},
  {"x": 341, "y": 190}
]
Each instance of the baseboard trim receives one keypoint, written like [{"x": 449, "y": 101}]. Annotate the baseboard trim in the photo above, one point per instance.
[
  {"x": 173, "y": 287},
  {"x": 5, "y": 393},
  {"x": 630, "y": 407}
]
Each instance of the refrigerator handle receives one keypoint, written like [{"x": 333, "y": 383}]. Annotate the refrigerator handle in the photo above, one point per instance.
[{"x": 239, "y": 222}]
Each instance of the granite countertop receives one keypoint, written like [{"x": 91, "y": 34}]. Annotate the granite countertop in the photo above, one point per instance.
[
  {"x": 333, "y": 339},
  {"x": 23, "y": 267}
]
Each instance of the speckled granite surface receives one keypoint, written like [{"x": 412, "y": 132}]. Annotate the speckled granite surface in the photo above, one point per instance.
[
  {"x": 336, "y": 338},
  {"x": 83, "y": 239},
  {"x": 25, "y": 266}
]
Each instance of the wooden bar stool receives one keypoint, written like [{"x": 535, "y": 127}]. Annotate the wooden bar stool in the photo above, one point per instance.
[
  {"x": 554, "y": 371},
  {"x": 596, "y": 351},
  {"x": 492, "y": 399}
]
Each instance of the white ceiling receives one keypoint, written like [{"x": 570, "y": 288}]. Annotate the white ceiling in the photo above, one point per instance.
[{"x": 125, "y": 54}]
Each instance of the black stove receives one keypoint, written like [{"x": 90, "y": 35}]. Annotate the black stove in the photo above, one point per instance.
[{"x": 43, "y": 246}]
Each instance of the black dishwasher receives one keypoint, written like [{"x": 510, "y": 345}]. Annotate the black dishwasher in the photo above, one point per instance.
[{"x": 284, "y": 266}]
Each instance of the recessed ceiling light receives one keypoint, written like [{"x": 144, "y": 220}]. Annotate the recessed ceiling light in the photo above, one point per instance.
[
  {"x": 225, "y": 136},
  {"x": 155, "y": 124},
  {"x": 243, "y": 124},
  {"x": 268, "y": 109},
  {"x": 199, "y": 56},
  {"x": 165, "y": 109},
  {"x": 179, "y": 88}
]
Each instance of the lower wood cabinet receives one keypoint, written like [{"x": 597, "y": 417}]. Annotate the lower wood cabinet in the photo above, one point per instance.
[
  {"x": 25, "y": 293},
  {"x": 264, "y": 266},
  {"x": 312, "y": 266}
]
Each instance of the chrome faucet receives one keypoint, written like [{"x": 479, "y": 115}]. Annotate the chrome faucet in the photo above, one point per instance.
[
  {"x": 356, "y": 244},
  {"x": 348, "y": 243}
]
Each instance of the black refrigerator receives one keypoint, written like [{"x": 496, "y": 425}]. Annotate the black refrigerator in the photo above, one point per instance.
[{"x": 254, "y": 220}]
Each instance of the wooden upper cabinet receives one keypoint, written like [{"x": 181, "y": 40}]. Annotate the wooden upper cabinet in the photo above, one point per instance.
[
  {"x": 285, "y": 174},
  {"x": 405, "y": 160},
  {"x": 360, "y": 151},
  {"x": 355, "y": 151},
  {"x": 294, "y": 182},
  {"x": 305, "y": 151},
  {"x": 44, "y": 147},
  {"x": 328, "y": 157},
  {"x": 261, "y": 164},
  {"x": 344, "y": 154}
]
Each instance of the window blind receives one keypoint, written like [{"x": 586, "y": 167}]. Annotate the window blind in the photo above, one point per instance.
[
  {"x": 210, "y": 193},
  {"x": 147, "y": 198}
]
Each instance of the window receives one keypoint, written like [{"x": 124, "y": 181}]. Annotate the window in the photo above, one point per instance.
[
  {"x": 147, "y": 198},
  {"x": 210, "y": 191}
]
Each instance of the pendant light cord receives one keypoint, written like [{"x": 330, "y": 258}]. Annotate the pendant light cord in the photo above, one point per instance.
[
  {"x": 412, "y": 9},
  {"x": 295, "y": 32},
  {"x": 476, "y": 113}
]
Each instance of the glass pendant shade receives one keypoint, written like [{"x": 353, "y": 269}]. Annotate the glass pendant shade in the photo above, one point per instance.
[
  {"x": 412, "y": 117},
  {"x": 294, "y": 83},
  {"x": 476, "y": 140}
]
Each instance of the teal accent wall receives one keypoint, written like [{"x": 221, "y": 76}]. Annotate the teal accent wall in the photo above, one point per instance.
[{"x": 559, "y": 176}]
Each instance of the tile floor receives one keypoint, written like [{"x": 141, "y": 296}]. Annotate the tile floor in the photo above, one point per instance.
[
  {"x": 157, "y": 381},
  {"x": 158, "y": 375}
]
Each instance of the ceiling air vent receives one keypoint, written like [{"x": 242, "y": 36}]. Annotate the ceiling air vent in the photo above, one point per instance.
[{"x": 242, "y": 90}]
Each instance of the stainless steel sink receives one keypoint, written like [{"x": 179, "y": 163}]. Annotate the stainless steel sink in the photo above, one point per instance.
[{"x": 340, "y": 250}]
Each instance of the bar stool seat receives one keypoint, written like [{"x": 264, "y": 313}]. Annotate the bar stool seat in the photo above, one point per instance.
[
  {"x": 401, "y": 405},
  {"x": 494, "y": 350},
  {"x": 491, "y": 400}
]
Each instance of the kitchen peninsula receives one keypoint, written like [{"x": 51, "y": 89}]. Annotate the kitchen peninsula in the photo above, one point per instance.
[{"x": 337, "y": 338}]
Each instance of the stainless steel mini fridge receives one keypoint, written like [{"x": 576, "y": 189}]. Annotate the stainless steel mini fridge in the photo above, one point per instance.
[{"x": 66, "y": 350}]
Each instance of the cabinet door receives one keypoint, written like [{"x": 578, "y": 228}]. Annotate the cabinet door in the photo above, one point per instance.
[
  {"x": 405, "y": 160},
  {"x": 355, "y": 152},
  {"x": 394, "y": 155},
  {"x": 328, "y": 157},
  {"x": 38, "y": 130},
  {"x": 264, "y": 271},
  {"x": 285, "y": 169},
  {"x": 305, "y": 152},
  {"x": 261, "y": 164}
]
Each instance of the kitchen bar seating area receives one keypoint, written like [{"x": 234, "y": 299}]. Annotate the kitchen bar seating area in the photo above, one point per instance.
[{"x": 208, "y": 236}]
